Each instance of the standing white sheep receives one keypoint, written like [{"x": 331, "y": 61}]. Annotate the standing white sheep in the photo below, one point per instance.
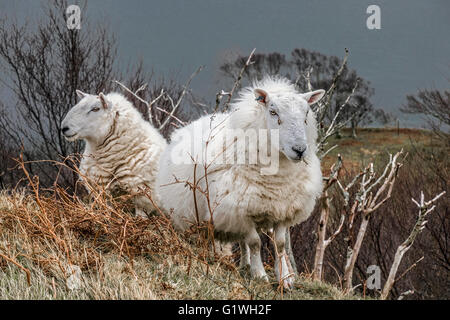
[
  {"x": 243, "y": 200},
  {"x": 122, "y": 149}
]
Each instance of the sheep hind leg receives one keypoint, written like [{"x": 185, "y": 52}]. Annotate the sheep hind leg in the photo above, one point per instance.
[
  {"x": 139, "y": 212},
  {"x": 284, "y": 274},
  {"x": 256, "y": 267}
]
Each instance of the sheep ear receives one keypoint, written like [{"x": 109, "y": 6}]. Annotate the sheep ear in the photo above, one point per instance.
[
  {"x": 261, "y": 96},
  {"x": 80, "y": 94},
  {"x": 313, "y": 96},
  {"x": 103, "y": 100}
]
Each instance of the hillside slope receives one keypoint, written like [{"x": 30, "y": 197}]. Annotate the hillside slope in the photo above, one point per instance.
[{"x": 120, "y": 257}]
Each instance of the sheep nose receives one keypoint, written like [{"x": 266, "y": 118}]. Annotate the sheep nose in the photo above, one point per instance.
[
  {"x": 299, "y": 151},
  {"x": 64, "y": 130}
]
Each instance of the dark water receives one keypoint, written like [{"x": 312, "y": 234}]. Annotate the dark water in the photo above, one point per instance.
[{"x": 411, "y": 51}]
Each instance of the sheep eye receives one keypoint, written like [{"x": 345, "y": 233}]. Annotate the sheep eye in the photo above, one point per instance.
[
  {"x": 95, "y": 109},
  {"x": 273, "y": 113}
]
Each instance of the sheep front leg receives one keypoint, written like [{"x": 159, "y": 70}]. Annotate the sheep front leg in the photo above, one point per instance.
[
  {"x": 284, "y": 276},
  {"x": 256, "y": 267},
  {"x": 245, "y": 255}
]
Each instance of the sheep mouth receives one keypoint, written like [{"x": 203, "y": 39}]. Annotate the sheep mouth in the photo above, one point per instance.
[
  {"x": 71, "y": 137},
  {"x": 294, "y": 158}
]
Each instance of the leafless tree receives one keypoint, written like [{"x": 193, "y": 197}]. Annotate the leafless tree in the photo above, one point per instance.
[
  {"x": 321, "y": 71},
  {"x": 384, "y": 117},
  {"x": 272, "y": 63},
  {"x": 435, "y": 106},
  {"x": 42, "y": 67},
  {"x": 5, "y": 162}
]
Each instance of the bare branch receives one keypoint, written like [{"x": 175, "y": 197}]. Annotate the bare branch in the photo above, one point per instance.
[
  {"x": 425, "y": 208},
  {"x": 238, "y": 80},
  {"x": 177, "y": 105}
]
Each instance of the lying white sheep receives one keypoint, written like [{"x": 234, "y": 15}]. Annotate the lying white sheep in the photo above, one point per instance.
[
  {"x": 122, "y": 149},
  {"x": 245, "y": 199}
]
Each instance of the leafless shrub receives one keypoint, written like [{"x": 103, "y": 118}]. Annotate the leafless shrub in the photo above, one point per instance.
[
  {"x": 424, "y": 270},
  {"x": 370, "y": 195},
  {"x": 425, "y": 208},
  {"x": 323, "y": 242}
]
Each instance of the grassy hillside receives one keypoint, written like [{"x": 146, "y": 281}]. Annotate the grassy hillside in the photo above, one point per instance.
[
  {"x": 371, "y": 143},
  {"x": 126, "y": 258}
]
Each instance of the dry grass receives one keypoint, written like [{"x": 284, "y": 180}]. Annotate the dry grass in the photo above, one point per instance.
[{"x": 43, "y": 232}]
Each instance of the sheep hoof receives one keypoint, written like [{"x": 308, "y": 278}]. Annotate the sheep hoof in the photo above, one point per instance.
[
  {"x": 261, "y": 277},
  {"x": 244, "y": 267},
  {"x": 140, "y": 213}
]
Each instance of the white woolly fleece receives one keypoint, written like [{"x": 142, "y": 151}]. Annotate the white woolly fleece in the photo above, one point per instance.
[
  {"x": 128, "y": 156},
  {"x": 245, "y": 200}
]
